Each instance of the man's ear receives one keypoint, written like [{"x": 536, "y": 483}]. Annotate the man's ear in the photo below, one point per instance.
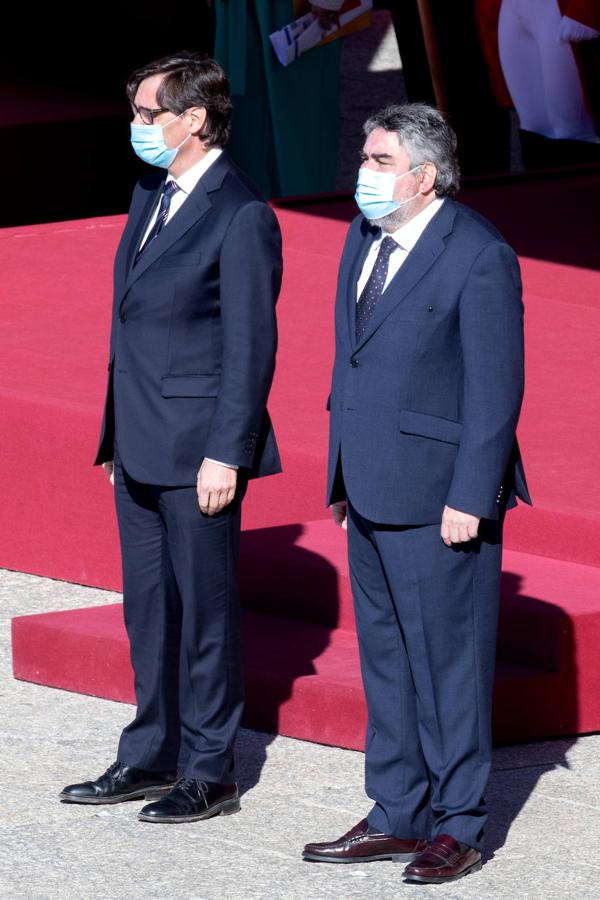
[
  {"x": 428, "y": 177},
  {"x": 198, "y": 119}
]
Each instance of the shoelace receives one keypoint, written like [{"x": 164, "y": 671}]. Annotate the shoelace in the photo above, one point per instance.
[
  {"x": 185, "y": 783},
  {"x": 114, "y": 769}
]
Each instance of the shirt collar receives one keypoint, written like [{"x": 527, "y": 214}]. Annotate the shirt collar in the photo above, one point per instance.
[
  {"x": 409, "y": 233},
  {"x": 188, "y": 181}
]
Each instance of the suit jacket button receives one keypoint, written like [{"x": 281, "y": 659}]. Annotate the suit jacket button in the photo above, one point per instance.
[
  {"x": 354, "y": 363},
  {"x": 123, "y": 317}
]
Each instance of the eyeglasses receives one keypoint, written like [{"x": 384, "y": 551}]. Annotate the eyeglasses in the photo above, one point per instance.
[{"x": 145, "y": 114}]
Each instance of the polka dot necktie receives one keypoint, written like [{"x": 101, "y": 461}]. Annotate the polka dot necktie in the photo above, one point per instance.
[
  {"x": 169, "y": 191},
  {"x": 373, "y": 289}
]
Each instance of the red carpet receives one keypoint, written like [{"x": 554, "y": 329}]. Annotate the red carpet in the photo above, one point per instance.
[
  {"x": 302, "y": 672},
  {"x": 59, "y": 521}
]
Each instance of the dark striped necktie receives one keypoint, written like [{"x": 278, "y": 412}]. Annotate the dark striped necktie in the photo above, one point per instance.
[
  {"x": 373, "y": 289},
  {"x": 170, "y": 189}
]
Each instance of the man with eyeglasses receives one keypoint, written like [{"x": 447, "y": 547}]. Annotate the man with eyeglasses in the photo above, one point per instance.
[{"x": 192, "y": 357}]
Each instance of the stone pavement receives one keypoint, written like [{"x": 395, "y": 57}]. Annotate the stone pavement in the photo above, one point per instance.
[
  {"x": 543, "y": 836},
  {"x": 370, "y": 78}
]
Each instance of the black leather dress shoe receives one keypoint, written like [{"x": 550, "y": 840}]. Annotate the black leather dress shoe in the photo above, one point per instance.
[
  {"x": 118, "y": 783},
  {"x": 364, "y": 844},
  {"x": 192, "y": 800}
]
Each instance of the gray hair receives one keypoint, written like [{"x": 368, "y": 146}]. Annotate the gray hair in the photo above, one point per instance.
[{"x": 426, "y": 136}]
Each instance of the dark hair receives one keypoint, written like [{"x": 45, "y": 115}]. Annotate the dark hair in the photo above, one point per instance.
[
  {"x": 426, "y": 136},
  {"x": 191, "y": 79}
]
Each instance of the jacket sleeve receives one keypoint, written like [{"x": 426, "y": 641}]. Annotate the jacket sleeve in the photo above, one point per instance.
[
  {"x": 491, "y": 335},
  {"x": 250, "y": 279}
]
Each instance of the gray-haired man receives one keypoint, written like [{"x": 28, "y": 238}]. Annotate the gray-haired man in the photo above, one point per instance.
[{"x": 423, "y": 463}]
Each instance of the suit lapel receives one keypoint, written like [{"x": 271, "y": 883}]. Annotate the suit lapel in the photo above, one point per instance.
[
  {"x": 195, "y": 206},
  {"x": 141, "y": 223},
  {"x": 139, "y": 214},
  {"x": 426, "y": 251},
  {"x": 369, "y": 234}
]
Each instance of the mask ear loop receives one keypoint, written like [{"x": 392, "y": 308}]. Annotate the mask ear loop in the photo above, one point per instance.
[
  {"x": 414, "y": 169},
  {"x": 174, "y": 119},
  {"x": 183, "y": 141},
  {"x": 178, "y": 147},
  {"x": 414, "y": 196}
]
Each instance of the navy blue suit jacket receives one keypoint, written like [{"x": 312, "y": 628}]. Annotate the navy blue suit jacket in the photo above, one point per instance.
[
  {"x": 193, "y": 340},
  {"x": 424, "y": 407}
]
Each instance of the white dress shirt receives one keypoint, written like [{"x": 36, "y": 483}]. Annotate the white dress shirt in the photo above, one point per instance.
[
  {"x": 406, "y": 237},
  {"x": 187, "y": 182}
]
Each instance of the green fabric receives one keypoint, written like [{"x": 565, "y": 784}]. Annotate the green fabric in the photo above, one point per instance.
[{"x": 285, "y": 119}]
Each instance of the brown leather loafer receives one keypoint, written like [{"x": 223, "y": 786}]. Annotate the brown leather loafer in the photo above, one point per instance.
[
  {"x": 442, "y": 861},
  {"x": 364, "y": 844}
]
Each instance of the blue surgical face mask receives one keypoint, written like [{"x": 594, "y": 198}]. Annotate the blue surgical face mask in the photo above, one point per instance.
[
  {"x": 375, "y": 192},
  {"x": 148, "y": 143}
]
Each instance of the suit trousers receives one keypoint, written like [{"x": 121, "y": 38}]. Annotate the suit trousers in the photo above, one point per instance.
[
  {"x": 426, "y": 618},
  {"x": 183, "y": 620}
]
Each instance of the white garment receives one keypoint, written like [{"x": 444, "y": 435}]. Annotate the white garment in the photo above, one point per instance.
[
  {"x": 186, "y": 182},
  {"x": 541, "y": 73},
  {"x": 406, "y": 237}
]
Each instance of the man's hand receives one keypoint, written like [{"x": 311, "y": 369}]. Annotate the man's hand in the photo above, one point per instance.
[
  {"x": 109, "y": 468},
  {"x": 458, "y": 527},
  {"x": 216, "y": 486},
  {"x": 339, "y": 512}
]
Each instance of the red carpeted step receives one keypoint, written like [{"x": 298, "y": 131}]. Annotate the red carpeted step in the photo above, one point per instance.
[
  {"x": 530, "y": 704},
  {"x": 559, "y": 533},
  {"x": 303, "y": 677},
  {"x": 310, "y": 559},
  {"x": 299, "y": 572},
  {"x": 302, "y": 680}
]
